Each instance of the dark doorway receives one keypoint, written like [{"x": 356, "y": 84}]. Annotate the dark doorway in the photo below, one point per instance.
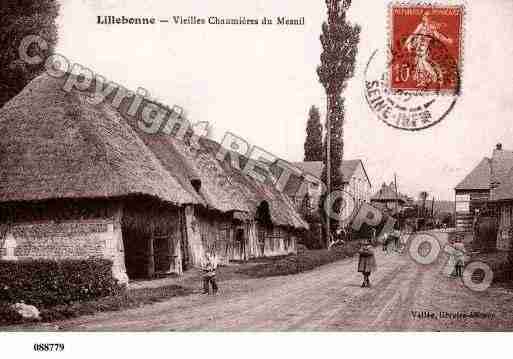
[
  {"x": 264, "y": 225},
  {"x": 150, "y": 231},
  {"x": 163, "y": 250},
  {"x": 485, "y": 232},
  {"x": 138, "y": 254},
  {"x": 240, "y": 242}
]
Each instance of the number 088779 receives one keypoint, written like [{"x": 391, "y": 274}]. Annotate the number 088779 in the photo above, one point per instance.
[{"x": 48, "y": 347}]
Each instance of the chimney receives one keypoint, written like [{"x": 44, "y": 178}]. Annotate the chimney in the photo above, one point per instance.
[{"x": 498, "y": 152}]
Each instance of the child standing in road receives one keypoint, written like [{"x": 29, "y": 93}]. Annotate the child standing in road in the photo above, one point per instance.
[
  {"x": 209, "y": 273},
  {"x": 459, "y": 258},
  {"x": 366, "y": 262}
]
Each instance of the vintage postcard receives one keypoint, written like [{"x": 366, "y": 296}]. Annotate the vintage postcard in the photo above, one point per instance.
[{"x": 255, "y": 166}]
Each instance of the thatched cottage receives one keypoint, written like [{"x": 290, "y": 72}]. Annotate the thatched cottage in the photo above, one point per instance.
[{"x": 82, "y": 180}]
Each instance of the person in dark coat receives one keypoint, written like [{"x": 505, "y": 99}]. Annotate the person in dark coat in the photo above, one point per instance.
[{"x": 366, "y": 262}]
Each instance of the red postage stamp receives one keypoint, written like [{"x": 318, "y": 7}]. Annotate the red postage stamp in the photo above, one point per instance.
[{"x": 425, "y": 48}]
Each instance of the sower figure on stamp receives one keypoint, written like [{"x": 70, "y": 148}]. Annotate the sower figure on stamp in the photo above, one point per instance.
[
  {"x": 426, "y": 70},
  {"x": 209, "y": 268},
  {"x": 366, "y": 262}
]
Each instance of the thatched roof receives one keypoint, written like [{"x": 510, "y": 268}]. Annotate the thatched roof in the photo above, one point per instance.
[
  {"x": 223, "y": 187},
  {"x": 55, "y": 144},
  {"x": 252, "y": 192},
  {"x": 185, "y": 165},
  {"x": 387, "y": 193}
]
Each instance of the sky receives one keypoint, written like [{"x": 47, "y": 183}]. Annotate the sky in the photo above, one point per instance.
[{"x": 260, "y": 81}]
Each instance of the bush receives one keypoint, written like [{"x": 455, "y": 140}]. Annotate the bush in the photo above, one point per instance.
[
  {"x": 310, "y": 237},
  {"x": 47, "y": 283},
  {"x": 302, "y": 261}
]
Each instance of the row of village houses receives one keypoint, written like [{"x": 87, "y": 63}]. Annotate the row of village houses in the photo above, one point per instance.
[{"x": 82, "y": 180}]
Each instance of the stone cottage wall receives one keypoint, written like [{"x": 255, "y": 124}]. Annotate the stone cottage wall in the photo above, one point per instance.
[{"x": 72, "y": 239}]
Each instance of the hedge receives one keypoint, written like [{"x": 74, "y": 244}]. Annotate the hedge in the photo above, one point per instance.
[
  {"x": 302, "y": 261},
  {"x": 47, "y": 283}
]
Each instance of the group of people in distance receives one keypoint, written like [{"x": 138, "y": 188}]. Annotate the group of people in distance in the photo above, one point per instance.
[{"x": 367, "y": 260}]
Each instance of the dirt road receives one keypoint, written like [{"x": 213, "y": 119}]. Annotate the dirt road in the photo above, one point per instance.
[{"x": 328, "y": 298}]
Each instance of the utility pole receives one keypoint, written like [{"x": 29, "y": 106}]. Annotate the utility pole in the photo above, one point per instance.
[
  {"x": 328, "y": 165},
  {"x": 396, "y": 195}
]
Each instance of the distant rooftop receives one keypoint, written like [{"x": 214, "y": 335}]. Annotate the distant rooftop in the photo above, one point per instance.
[
  {"x": 490, "y": 172},
  {"x": 315, "y": 168}
]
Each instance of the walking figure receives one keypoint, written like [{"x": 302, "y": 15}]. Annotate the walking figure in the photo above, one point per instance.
[
  {"x": 386, "y": 237},
  {"x": 366, "y": 262},
  {"x": 209, "y": 267}
]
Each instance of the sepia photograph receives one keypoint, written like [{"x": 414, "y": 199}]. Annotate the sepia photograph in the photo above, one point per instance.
[{"x": 328, "y": 169}]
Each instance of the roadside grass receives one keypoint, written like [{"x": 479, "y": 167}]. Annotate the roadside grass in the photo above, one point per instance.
[
  {"x": 130, "y": 298},
  {"x": 260, "y": 260},
  {"x": 301, "y": 262}
]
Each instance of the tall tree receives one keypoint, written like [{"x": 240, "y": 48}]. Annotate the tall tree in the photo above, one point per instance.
[
  {"x": 339, "y": 41},
  {"x": 21, "y": 18},
  {"x": 313, "y": 141}
]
